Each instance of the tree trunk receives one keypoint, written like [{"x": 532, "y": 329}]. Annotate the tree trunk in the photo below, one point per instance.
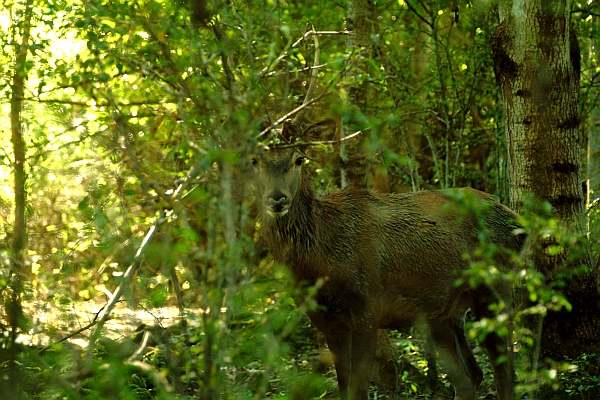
[
  {"x": 360, "y": 21},
  {"x": 593, "y": 161},
  {"x": 14, "y": 309},
  {"x": 536, "y": 61},
  {"x": 593, "y": 183},
  {"x": 18, "y": 142}
]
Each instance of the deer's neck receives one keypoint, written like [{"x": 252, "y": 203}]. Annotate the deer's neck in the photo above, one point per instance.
[{"x": 293, "y": 238}]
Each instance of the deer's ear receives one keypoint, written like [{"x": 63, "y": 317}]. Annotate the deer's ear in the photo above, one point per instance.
[
  {"x": 270, "y": 133},
  {"x": 321, "y": 131}
]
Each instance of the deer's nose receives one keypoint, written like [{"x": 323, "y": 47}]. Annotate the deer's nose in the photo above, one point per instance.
[{"x": 278, "y": 203}]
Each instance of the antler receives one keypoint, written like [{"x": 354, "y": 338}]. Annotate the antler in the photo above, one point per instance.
[{"x": 314, "y": 73}]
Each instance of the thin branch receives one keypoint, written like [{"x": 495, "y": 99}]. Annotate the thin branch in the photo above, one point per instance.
[
  {"x": 77, "y": 332},
  {"x": 424, "y": 7},
  {"x": 428, "y": 23},
  {"x": 32, "y": 159},
  {"x": 296, "y": 71},
  {"x": 312, "y": 32},
  {"x": 273, "y": 63},
  {"x": 224, "y": 62},
  {"x": 137, "y": 260},
  {"x": 133, "y": 268},
  {"x": 301, "y": 107},
  {"x": 112, "y": 255},
  {"x": 131, "y": 271},
  {"x": 186, "y": 132},
  {"x": 171, "y": 267},
  {"x": 181, "y": 84},
  {"x": 585, "y": 12}
]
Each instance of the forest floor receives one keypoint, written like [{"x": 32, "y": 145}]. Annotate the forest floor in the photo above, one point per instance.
[
  {"x": 308, "y": 364},
  {"x": 76, "y": 315}
]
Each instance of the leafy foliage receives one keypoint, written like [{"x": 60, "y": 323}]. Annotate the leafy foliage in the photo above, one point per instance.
[{"x": 139, "y": 115}]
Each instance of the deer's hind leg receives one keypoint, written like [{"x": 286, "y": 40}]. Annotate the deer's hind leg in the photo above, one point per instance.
[
  {"x": 456, "y": 356},
  {"x": 498, "y": 347}
]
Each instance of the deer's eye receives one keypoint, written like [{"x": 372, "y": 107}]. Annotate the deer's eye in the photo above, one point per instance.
[
  {"x": 299, "y": 161},
  {"x": 254, "y": 162}
]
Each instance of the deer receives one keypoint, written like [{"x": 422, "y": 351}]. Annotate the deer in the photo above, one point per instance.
[{"x": 385, "y": 261}]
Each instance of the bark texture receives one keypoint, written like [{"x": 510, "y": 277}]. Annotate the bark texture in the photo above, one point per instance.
[
  {"x": 14, "y": 309},
  {"x": 593, "y": 159},
  {"x": 593, "y": 184},
  {"x": 537, "y": 64},
  {"x": 594, "y": 174}
]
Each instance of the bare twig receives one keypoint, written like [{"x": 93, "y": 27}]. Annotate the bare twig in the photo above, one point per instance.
[
  {"x": 186, "y": 131},
  {"x": 296, "y": 71},
  {"x": 220, "y": 36},
  {"x": 112, "y": 255},
  {"x": 273, "y": 63}
]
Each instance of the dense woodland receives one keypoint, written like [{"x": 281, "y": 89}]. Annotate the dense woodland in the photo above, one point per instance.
[{"x": 131, "y": 265}]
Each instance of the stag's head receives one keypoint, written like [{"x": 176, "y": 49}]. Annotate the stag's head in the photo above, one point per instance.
[{"x": 279, "y": 170}]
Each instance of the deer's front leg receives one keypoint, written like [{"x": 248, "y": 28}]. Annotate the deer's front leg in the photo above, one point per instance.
[
  {"x": 340, "y": 345},
  {"x": 364, "y": 345}
]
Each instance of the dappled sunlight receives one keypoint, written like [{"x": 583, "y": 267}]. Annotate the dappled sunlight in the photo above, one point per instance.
[
  {"x": 67, "y": 46},
  {"x": 67, "y": 319}
]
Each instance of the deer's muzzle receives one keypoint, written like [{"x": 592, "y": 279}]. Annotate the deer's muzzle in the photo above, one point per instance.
[{"x": 278, "y": 205}]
